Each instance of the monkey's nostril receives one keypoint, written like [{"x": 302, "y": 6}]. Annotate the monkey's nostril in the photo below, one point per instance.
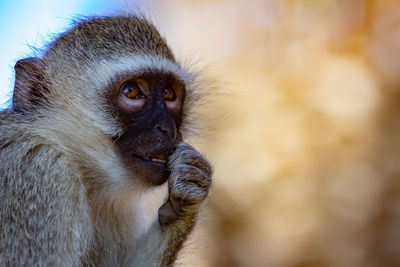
[
  {"x": 162, "y": 129},
  {"x": 165, "y": 130}
]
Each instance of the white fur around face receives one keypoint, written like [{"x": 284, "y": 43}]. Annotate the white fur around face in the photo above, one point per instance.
[{"x": 89, "y": 113}]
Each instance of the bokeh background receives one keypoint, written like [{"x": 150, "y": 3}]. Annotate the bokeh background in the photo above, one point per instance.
[{"x": 303, "y": 131}]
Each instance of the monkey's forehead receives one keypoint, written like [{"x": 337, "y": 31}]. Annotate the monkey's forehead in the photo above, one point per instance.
[
  {"x": 106, "y": 71},
  {"x": 106, "y": 37}
]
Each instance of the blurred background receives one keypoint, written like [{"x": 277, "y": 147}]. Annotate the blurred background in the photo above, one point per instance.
[{"x": 305, "y": 128}]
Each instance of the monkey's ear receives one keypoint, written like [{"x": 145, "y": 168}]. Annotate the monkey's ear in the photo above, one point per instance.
[{"x": 29, "y": 84}]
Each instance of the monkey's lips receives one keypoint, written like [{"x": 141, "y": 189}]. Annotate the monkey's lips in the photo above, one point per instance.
[
  {"x": 151, "y": 169},
  {"x": 159, "y": 159}
]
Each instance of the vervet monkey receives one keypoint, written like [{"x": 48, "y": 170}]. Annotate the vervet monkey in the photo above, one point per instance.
[{"x": 94, "y": 170}]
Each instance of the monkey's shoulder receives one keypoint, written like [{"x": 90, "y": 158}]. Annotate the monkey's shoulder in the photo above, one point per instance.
[
  {"x": 23, "y": 151},
  {"x": 15, "y": 133}
]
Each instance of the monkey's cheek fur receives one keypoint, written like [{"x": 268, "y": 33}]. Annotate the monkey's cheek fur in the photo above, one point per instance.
[{"x": 151, "y": 172}]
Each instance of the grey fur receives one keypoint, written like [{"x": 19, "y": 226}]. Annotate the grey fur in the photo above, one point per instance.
[{"x": 65, "y": 197}]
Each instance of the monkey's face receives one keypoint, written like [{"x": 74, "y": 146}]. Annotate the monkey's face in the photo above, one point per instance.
[{"x": 149, "y": 107}]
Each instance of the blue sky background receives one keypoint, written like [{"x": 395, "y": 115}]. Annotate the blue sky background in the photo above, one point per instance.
[{"x": 25, "y": 23}]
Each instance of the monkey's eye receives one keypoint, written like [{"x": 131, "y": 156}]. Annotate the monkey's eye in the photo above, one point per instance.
[
  {"x": 169, "y": 94},
  {"x": 132, "y": 91}
]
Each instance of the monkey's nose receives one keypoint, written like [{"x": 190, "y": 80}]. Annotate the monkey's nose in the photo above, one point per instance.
[
  {"x": 167, "y": 130},
  {"x": 163, "y": 129}
]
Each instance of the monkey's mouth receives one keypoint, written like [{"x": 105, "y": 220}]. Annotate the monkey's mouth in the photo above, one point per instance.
[
  {"x": 158, "y": 159},
  {"x": 161, "y": 159}
]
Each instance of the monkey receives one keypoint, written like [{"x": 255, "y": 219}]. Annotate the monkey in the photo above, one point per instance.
[{"x": 94, "y": 167}]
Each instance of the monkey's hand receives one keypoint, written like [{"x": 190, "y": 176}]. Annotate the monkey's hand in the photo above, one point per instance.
[{"x": 188, "y": 186}]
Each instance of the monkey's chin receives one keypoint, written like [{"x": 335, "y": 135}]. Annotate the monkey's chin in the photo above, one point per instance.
[{"x": 151, "y": 172}]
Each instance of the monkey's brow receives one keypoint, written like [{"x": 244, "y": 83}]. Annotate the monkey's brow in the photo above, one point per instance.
[
  {"x": 127, "y": 75},
  {"x": 108, "y": 72}
]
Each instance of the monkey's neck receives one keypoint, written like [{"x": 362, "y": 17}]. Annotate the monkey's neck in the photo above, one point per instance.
[{"x": 122, "y": 219}]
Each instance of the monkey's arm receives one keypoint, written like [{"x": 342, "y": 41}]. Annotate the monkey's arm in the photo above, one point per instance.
[
  {"x": 43, "y": 210},
  {"x": 189, "y": 185}
]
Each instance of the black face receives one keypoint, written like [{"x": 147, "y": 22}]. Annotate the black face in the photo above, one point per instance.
[{"x": 150, "y": 108}]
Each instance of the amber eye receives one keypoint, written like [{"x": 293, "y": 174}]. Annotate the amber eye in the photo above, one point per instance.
[
  {"x": 168, "y": 94},
  {"x": 132, "y": 91}
]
